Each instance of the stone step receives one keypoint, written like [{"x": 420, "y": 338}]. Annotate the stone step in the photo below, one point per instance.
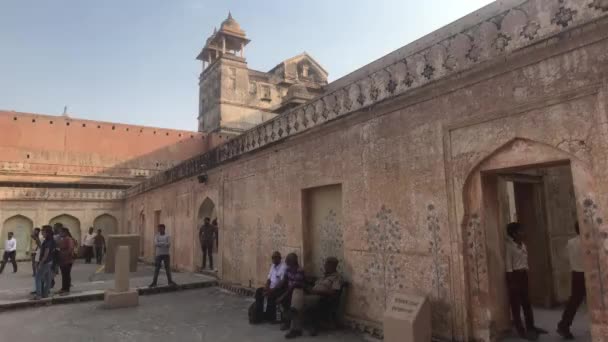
[{"x": 97, "y": 295}]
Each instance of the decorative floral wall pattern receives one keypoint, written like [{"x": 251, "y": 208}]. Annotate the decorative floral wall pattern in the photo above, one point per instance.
[
  {"x": 237, "y": 252},
  {"x": 475, "y": 252},
  {"x": 331, "y": 241},
  {"x": 439, "y": 297},
  {"x": 384, "y": 235},
  {"x": 596, "y": 236}
]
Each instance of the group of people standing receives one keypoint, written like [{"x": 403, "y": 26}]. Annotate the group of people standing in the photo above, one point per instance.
[
  {"x": 286, "y": 286},
  {"x": 54, "y": 252},
  {"x": 517, "y": 283}
]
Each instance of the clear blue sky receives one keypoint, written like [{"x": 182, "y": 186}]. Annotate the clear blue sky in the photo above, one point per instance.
[{"x": 133, "y": 61}]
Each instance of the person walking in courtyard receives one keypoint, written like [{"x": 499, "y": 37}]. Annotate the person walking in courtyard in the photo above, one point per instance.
[
  {"x": 10, "y": 253},
  {"x": 35, "y": 255},
  {"x": 207, "y": 236},
  {"x": 66, "y": 260},
  {"x": 100, "y": 246},
  {"x": 516, "y": 261},
  {"x": 88, "y": 243},
  {"x": 44, "y": 274},
  {"x": 162, "y": 243},
  {"x": 577, "y": 290},
  {"x": 272, "y": 290}
]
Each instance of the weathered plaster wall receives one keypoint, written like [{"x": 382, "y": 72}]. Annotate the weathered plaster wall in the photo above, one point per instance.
[
  {"x": 561, "y": 217},
  {"x": 402, "y": 166}
]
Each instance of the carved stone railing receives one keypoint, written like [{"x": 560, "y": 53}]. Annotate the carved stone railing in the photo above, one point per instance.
[
  {"x": 525, "y": 24},
  {"x": 7, "y": 194},
  {"x": 8, "y": 167}
]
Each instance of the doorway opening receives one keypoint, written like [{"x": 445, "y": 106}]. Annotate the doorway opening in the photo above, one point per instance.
[
  {"x": 207, "y": 209},
  {"x": 541, "y": 198}
]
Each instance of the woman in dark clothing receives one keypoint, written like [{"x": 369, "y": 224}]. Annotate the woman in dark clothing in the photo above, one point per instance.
[{"x": 66, "y": 259}]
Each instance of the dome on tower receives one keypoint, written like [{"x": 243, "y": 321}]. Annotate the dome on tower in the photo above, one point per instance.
[{"x": 232, "y": 26}]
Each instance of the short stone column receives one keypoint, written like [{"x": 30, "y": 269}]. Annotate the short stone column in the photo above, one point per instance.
[{"x": 122, "y": 295}]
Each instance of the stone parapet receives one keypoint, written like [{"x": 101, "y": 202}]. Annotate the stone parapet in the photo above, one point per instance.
[{"x": 45, "y": 194}]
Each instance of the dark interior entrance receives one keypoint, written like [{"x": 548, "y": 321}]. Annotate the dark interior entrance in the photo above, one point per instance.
[{"x": 542, "y": 200}]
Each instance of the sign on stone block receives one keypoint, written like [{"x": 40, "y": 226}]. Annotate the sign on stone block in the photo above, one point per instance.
[
  {"x": 112, "y": 244},
  {"x": 407, "y": 319}
]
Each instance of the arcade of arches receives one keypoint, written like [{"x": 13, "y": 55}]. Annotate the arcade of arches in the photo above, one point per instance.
[{"x": 22, "y": 227}]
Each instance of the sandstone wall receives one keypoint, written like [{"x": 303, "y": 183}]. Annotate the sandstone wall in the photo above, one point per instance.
[{"x": 405, "y": 169}]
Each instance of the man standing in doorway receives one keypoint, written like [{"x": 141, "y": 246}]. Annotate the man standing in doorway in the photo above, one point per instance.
[
  {"x": 10, "y": 252},
  {"x": 577, "y": 292},
  {"x": 206, "y": 235},
  {"x": 100, "y": 246},
  {"x": 162, "y": 242},
  {"x": 88, "y": 242}
]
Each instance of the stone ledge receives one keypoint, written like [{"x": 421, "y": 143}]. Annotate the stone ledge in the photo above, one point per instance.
[{"x": 98, "y": 295}]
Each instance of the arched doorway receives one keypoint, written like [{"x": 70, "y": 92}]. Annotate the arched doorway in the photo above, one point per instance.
[
  {"x": 107, "y": 223},
  {"x": 70, "y": 222},
  {"x": 22, "y": 228},
  {"x": 206, "y": 209},
  {"x": 485, "y": 197}
]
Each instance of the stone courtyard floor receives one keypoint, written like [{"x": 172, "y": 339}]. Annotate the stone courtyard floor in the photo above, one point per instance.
[
  {"x": 86, "y": 279},
  {"x": 209, "y": 314}
]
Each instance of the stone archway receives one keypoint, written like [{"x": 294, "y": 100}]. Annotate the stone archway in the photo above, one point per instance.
[
  {"x": 70, "y": 222},
  {"x": 107, "y": 223},
  {"x": 22, "y": 228},
  {"x": 206, "y": 209},
  {"x": 479, "y": 228}
]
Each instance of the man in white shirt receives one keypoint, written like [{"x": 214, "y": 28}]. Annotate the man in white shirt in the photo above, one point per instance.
[
  {"x": 577, "y": 292},
  {"x": 88, "y": 242},
  {"x": 10, "y": 252},
  {"x": 516, "y": 261},
  {"x": 272, "y": 290},
  {"x": 162, "y": 244}
]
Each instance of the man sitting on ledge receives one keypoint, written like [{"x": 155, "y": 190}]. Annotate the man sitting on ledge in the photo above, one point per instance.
[
  {"x": 274, "y": 289},
  {"x": 316, "y": 301}
]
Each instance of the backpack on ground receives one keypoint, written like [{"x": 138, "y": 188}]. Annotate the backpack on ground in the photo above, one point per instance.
[{"x": 254, "y": 314}]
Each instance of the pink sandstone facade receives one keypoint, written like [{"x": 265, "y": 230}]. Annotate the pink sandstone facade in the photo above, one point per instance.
[
  {"x": 408, "y": 169},
  {"x": 57, "y": 168}
]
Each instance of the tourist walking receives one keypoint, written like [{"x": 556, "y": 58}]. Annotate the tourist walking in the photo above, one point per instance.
[
  {"x": 88, "y": 242},
  {"x": 207, "y": 236},
  {"x": 35, "y": 255},
  {"x": 44, "y": 274},
  {"x": 162, "y": 244},
  {"x": 516, "y": 261},
  {"x": 577, "y": 290},
  {"x": 10, "y": 253},
  {"x": 66, "y": 260},
  {"x": 100, "y": 246}
]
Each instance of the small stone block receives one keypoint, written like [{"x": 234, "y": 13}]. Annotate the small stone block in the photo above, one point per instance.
[{"x": 116, "y": 300}]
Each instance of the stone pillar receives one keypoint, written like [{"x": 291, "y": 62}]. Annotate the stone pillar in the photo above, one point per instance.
[
  {"x": 121, "y": 296},
  {"x": 121, "y": 281},
  {"x": 242, "y": 50},
  {"x": 223, "y": 45}
]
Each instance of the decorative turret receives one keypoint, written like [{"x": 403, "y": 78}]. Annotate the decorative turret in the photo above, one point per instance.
[{"x": 229, "y": 40}]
